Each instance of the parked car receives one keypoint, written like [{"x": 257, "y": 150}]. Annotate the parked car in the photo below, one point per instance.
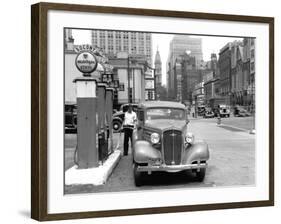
[
  {"x": 118, "y": 117},
  {"x": 209, "y": 113},
  {"x": 201, "y": 110},
  {"x": 70, "y": 118},
  {"x": 162, "y": 142},
  {"x": 241, "y": 112},
  {"x": 224, "y": 111},
  {"x": 216, "y": 111}
]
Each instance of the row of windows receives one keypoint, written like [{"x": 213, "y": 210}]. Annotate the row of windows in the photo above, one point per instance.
[{"x": 142, "y": 35}]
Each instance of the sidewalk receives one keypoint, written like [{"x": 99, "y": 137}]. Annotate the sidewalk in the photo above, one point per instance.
[
  {"x": 244, "y": 124},
  {"x": 94, "y": 176}
]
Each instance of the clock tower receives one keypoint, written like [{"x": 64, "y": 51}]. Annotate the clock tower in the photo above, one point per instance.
[{"x": 158, "y": 69}]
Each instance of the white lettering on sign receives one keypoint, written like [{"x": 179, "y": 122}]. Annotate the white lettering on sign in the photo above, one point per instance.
[{"x": 86, "y": 62}]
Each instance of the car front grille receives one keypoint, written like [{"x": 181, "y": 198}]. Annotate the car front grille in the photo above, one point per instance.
[
  {"x": 172, "y": 143},
  {"x": 146, "y": 135}
]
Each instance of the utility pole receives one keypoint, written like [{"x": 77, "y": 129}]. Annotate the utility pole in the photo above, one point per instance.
[
  {"x": 129, "y": 88},
  {"x": 253, "y": 131},
  {"x": 155, "y": 92}
]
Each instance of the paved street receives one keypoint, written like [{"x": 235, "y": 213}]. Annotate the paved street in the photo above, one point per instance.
[{"x": 232, "y": 161}]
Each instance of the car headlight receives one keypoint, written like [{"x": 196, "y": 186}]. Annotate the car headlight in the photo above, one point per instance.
[
  {"x": 189, "y": 138},
  {"x": 154, "y": 138}
]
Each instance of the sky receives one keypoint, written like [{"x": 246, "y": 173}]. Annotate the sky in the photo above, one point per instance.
[{"x": 210, "y": 44}]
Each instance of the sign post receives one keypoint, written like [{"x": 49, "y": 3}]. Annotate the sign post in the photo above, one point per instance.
[
  {"x": 101, "y": 91},
  {"x": 108, "y": 117}
]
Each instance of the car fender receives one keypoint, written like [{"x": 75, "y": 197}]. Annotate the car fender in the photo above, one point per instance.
[
  {"x": 117, "y": 119},
  {"x": 143, "y": 152},
  {"x": 195, "y": 152}
]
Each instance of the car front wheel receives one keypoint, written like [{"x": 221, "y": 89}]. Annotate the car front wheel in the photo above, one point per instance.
[
  {"x": 137, "y": 176},
  {"x": 200, "y": 175}
]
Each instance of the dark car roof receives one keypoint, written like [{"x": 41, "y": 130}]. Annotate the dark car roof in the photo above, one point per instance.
[
  {"x": 153, "y": 104},
  {"x": 127, "y": 104}
]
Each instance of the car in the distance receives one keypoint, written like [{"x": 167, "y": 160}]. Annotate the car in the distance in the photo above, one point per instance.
[
  {"x": 70, "y": 118},
  {"x": 209, "y": 113},
  {"x": 162, "y": 142},
  {"x": 201, "y": 110},
  {"x": 224, "y": 111},
  {"x": 240, "y": 111}
]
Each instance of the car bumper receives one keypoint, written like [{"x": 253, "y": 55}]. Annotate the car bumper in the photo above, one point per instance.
[
  {"x": 151, "y": 168},
  {"x": 221, "y": 114}
]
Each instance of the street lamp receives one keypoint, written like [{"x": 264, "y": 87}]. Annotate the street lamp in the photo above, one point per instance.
[{"x": 253, "y": 131}]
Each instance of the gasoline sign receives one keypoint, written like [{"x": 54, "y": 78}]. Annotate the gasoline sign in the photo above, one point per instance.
[{"x": 86, "y": 62}]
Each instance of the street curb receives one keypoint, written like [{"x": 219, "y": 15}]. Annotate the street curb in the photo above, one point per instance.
[
  {"x": 94, "y": 176},
  {"x": 112, "y": 165},
  {"x": 241, "y": 129}
]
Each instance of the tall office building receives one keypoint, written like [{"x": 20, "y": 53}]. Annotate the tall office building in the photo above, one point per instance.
[
  {"x": 112, "y": 42},
  {"x": 180, "y": 45}
]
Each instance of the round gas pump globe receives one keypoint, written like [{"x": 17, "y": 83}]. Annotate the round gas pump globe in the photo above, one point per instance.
[{"x": 86, "y": 62}]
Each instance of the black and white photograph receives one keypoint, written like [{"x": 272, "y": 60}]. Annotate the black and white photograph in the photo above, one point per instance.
[
  {"x": 142, "y": 111},
  {"x": 154, "y": 111}
]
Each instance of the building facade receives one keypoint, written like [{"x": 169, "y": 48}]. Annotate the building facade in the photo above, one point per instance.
[
  {"x": 112, "y": 42},
  {"x": 135, "y": 79},
  {"x": 224, "y": 64},
  {"x": 198, "y": 94},
  {"x": 211, "y": 89},
  {"x": 180, "y": 45},
  {"x": 243, "y": 73},
  {"x": 190, "y": 77}
]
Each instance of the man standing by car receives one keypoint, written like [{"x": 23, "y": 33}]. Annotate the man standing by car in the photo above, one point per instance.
[{"x": 130, "y": 120}]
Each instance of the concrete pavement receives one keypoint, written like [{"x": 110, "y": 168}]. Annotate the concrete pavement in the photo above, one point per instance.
[
  {"x": 232, "y": 163},
  {"x": 92, "y": 176},
  {"x": 232, "y": 153}
]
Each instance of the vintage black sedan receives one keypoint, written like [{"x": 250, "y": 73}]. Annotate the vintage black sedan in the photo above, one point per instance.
[
  {"x": 162, "y": 142},
  {"x": 70, "y": 118},
  {"x": 209, "y": 113},
  {"x": 240, "y": 111}
]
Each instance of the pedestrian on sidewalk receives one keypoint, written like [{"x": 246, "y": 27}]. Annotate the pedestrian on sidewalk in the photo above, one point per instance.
[{"x": 129, "y": 123}]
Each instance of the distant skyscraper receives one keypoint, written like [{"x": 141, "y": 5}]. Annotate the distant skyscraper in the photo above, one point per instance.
[
  {"x": 179, "y": 46},
  {"x": 112, "y": 42},
  {"x": 158, "y": 68}
]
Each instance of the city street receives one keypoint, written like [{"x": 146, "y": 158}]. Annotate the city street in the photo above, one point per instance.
[{"x": 232, "y": 160}]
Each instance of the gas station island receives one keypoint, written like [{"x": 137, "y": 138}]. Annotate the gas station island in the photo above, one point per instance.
[{"x": 94, "y": 157}]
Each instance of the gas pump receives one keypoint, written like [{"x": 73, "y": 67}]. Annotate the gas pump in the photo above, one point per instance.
[
  {"x": 86, "y": 151},
  {"x": 102, "y": 144},
  {"x": 87, "y": 156},
  {"x": 108, "y": 118}
]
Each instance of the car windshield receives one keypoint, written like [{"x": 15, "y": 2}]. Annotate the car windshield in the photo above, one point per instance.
[{"x": 165, "y": 113}]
